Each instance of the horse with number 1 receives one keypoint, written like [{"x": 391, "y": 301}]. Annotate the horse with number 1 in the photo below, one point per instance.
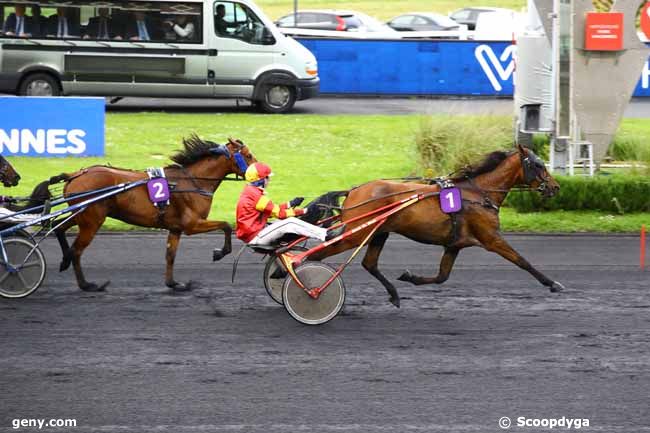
[
  {"x": 184, "y": 194},
  {"x": 456, "y": 212}
]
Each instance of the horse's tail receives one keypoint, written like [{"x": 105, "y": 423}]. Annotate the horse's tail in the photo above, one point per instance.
[
  {"x": 63, "y": 177},
  {"x": 41, "y": 192}
]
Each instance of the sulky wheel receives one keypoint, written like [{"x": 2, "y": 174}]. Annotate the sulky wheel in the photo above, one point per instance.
[
  {"x": 274, "y": 275},
  {"x": 306, "y": 309},
  {"x": 24, "y": 270}
]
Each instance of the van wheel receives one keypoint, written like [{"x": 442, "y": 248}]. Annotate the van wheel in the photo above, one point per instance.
[
  {"x": 277, "y": 98},
  {"x": 39, "y": 85}
]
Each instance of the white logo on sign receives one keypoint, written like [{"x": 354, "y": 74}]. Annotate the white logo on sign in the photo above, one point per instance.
[
  {"x": 491, "y": 64},
  {"x": 644, "y": 75},
  {"x": 42, "y": 141}
]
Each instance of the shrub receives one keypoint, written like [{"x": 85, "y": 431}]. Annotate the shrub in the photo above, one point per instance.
[
  {"x": 446, "y": 143},
  {"x": 615, "y": 194}
]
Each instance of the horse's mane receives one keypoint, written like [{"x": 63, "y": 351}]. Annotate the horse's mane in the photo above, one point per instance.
[
  {"x": 194, "y": 149},
  {"x": 488, "y": 164}
]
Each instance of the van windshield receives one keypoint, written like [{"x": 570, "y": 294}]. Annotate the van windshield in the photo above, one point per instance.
[{"x": 237, "y": 21}]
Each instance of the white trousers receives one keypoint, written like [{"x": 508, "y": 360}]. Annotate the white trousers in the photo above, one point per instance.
[{"x": 280, "y": 228}]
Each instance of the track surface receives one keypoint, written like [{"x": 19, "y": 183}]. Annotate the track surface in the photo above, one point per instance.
[
  {"x": 327, "y": 104},
  {"x": 490, "y": 342}
]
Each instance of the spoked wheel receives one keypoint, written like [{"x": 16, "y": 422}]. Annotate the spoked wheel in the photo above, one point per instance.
[
  {"x": 274, "y": 275},
  {"x": 24, "y": 270},
  {"x": 303, "y": 307}
]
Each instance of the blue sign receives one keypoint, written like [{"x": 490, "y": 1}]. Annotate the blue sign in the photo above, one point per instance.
[
  {"x": 52, "y": 126},
  {"x": 408, "y": 67}
]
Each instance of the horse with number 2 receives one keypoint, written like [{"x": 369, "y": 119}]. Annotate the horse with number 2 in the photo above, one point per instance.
[
  {"x": 177, "y": 198},
  {"x": 457, "y": 212}
]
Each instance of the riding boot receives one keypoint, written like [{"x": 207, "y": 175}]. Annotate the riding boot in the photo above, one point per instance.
[{"x": 332, "y": 233}]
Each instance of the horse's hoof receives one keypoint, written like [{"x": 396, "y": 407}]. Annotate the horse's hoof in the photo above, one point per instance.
[
  {"x": 217, "y": 255},
  {"x": 65, "y": 264},
  {"x": 406, "y": 276},
  {"x": 180, "y": 287},
  {"x": 92, "y": 287},
  {"x": 556, "y": 287},
  {"x": 394, "y": 301}
]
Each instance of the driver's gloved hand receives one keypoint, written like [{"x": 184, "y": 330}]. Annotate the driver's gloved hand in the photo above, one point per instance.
[{"x": 296, "y": 201}]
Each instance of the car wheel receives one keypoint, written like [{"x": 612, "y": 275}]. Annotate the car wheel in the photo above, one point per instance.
[
  {"x": 39, "y": 85},
  {"x": 277, "y": 98}
]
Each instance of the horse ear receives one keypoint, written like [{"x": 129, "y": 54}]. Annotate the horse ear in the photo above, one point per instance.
[
  {"x": 235, "y": 142},
  {"x": 522, "y": 149}
]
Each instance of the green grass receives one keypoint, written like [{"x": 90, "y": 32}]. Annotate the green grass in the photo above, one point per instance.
[
  {"x": 572, "y": 222},
  {"x": 383, "y": 10},
  {"x": 309, "y": 155}
]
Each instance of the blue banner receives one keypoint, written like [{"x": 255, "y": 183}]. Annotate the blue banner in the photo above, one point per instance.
[
  {"x": 408, "y": 67},
  {"x": 48, "y": 127}
]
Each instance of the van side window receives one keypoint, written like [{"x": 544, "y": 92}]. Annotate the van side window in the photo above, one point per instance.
[
  {"x": 117, "y": 20},
  {"x": 237, "y": 21}
]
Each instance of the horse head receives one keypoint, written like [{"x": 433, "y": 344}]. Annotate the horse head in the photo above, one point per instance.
[
  {"x": 324, "y": 207},
  {"x": 534, "y": 174},
  {"x": 240, "y": 156},
  {"x": 8, "y": 174},
  {"x": 208, "y": 159}
]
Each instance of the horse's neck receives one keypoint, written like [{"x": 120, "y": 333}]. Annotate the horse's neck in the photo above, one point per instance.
[
  {"x": 499, "y": 181},
  {"x": 208, "y": 174}
]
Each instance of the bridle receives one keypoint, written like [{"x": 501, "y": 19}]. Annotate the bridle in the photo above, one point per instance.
[
  {"x": 220, "y": 150},
  {"x": 533, "y": 168}
]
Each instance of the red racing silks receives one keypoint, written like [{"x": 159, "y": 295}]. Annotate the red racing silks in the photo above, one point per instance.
[{"x": 254, "y": 209}]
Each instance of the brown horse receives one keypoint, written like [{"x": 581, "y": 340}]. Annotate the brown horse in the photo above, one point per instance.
[
  {"x": 8, "y": 175},
  {"x": 199, "y": 170},
  {"x": 484, "y": 188}
]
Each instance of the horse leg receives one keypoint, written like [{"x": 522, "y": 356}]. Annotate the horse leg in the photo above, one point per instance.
[
  {"x": 446, "y": 264},
  {"x": 67, "y": 252},
  {"x": 173, "y": 239},
  {"x": 204, "y": 226},
  {"x": 497, "y": 244},
  {"x": 370, "y": 264},
  {"x": 87, "y": 231}
]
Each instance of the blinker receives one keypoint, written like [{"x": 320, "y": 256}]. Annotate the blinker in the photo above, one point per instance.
[{"x": 241, "y": 162}]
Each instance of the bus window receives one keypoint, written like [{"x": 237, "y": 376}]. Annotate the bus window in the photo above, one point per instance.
[
  {"x": 235, "y": 20},
  {"x": 91, "y": 20}
]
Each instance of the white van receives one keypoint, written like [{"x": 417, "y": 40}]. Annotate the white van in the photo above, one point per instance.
[{"x": 188, "y": 48}]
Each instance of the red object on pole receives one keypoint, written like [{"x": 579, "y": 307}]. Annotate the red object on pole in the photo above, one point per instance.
[
  {"x": 644, "y": 20},
  {"x": 642, "y": 255},
  {"x": 604, "y": 31}
]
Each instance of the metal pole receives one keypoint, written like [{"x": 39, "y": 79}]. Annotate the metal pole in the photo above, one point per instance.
[
  {"x": 295, "y": 13},
  {"x": 555, "y": 48}
]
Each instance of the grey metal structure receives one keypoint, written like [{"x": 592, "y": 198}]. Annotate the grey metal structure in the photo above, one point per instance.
[{"x": 589, "y": 90}]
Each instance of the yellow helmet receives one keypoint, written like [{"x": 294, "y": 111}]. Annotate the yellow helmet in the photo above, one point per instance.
[{"x": 257, "y": 171}]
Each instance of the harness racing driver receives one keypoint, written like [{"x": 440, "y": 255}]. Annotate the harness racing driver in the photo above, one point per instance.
[{"x": 254, "y": 208}]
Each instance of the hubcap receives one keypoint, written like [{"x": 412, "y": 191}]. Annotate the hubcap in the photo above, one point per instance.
[
  {"x": 39, "y": 88},
  {"x": 278, "y": 96}
]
